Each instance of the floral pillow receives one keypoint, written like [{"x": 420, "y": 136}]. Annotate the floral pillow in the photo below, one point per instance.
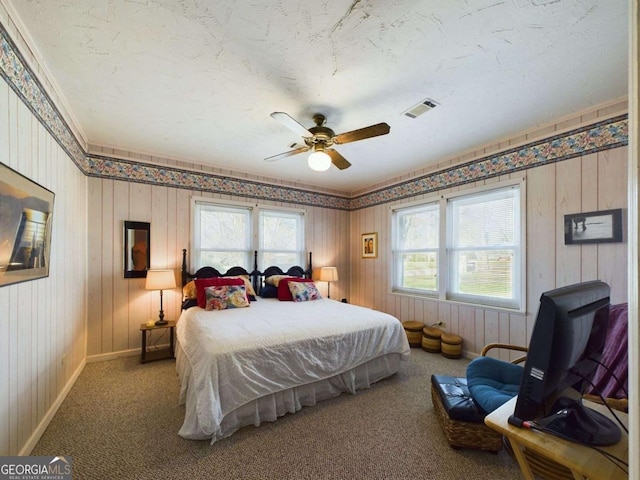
[
  {"x": 202, "y": 283},
  {"x": 304, "y": 291},
  {"x": 226, "y": 296},
  {"x": 284, "y": 292}
]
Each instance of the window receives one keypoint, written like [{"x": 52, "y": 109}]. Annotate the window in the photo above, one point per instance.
[
  {"x": 463, "y": 247},
  {"x": 227, "y": 234},
  {"x": 221, "y": 236},
  {"x": 484, "y": 247},
  {"x": 281, "y": 239},
  {"x": 416, "y": 248}
]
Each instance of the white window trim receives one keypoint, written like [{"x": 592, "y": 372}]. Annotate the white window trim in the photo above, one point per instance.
[
  {"x": 254, "y": 208},
  {"x": 443, "y": 272}
]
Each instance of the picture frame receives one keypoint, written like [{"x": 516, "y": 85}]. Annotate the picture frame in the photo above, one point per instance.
[
  {"x": 369, "y": 245},
  {"x": 603, "y": 226},
  {"x": 25, "y": 228},
  {"x": 137, "y": 249}
]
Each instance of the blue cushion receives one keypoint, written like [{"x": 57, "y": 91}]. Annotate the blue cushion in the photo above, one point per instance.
[{"x": 493, "y": 382}]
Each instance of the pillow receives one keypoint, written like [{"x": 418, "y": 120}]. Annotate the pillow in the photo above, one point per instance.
[
  {"x": 493, "y": 382},
  {"x": 274, "y": 279},
  {"x": 269, "y": 291},
  {"x": 251, "y": 293},
  {"x": 303, "y": 291},
  {"x": 189, "y": 302},
  {"x": 189, "y": 290},
  {"x": 284, "y": 294},
  {"x": 226, "y": 296},
  {"x": 202, "y": 283}
]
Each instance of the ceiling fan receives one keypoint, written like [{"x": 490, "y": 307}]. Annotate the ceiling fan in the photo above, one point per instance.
[{"x": 320, "y": 139}]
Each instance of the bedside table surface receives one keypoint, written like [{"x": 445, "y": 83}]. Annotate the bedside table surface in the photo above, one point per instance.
[{"x": 169, "y": 324}]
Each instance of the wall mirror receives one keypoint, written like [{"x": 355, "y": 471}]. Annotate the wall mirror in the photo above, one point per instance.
[{"x": 137, "y": 249}]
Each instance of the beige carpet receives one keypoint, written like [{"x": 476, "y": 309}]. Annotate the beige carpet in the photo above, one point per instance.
[{"x": 121, "y": 419}]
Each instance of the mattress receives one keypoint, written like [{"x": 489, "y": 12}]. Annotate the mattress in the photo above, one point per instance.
[{"x": 247, "y": 365}]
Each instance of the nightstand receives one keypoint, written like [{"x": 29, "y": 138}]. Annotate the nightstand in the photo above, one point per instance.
[{"x": 156, "y": 354}]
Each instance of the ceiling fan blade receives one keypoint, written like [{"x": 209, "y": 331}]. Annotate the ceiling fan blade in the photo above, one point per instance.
[
  {"x": 337, "y": 159},
  {"x": 286, "y": 154},
  {"x": 291, "y": 124},
  {"x": 362, "y": 133}
]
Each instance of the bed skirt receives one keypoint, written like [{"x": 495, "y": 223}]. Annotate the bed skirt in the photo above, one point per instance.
[{"x": 270, "y": 407}]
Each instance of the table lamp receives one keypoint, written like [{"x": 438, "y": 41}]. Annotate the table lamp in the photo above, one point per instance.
[
  {"x": 160, "y": 280},
  {"x": 328, "y": 274}
]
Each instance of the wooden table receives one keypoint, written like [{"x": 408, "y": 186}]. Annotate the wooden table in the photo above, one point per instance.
[
  {"x": 549, "y": 456},
  {"x": 161, "y": 354}
]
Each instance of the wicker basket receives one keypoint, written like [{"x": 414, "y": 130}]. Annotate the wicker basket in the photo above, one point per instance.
[
  {"x": 465, "y": 434},
  {"x": 451, "y": 345},
  {"x": 414, "y": 332},
  {"x": 431, "y": 339}
]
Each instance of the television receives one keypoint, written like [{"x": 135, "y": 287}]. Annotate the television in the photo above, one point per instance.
[{"x": 564, "y": 351}]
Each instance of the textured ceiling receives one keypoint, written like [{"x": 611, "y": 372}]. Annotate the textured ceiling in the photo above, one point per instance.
[{"x": 196, "y": 80}]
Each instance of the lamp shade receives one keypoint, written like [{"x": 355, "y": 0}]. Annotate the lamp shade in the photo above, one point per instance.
[
  {"x": 328, "y": 274},
  {"x": 160, "y": 280},
  {"x": 319, "y": 161}
]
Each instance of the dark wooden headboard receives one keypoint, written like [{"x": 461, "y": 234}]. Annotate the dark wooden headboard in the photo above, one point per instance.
[{"x": 257, "y": 277}]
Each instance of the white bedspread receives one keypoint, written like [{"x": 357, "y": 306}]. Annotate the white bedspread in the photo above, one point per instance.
[{"x": 239, "y": 355}]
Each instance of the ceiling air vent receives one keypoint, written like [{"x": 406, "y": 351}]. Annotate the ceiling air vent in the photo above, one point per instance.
[{"x": 422, "y": 107}]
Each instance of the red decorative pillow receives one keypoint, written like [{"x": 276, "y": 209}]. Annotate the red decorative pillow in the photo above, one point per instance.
[
  {"x": 284, "y": 294},
  {"x": 202, "y": 283}
]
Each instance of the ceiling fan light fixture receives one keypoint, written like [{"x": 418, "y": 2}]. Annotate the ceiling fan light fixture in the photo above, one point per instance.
[{"x": 319, "y": 161}]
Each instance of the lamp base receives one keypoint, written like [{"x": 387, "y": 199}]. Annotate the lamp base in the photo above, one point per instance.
[{"x": 161, "y": 322}]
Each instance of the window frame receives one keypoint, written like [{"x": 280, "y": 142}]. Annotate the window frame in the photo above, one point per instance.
[
  {"x": 254, "y": 212},
  {"x": 398, "y": 251},
  {"x": 445, "y": 255},
  {"x": 300, "y": 252}
]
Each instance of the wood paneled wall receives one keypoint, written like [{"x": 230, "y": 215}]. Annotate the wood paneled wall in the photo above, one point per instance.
[
  {"x": 117, "y": 306},
  {"x": 43, "y": 322},
  {"x": 589, "y": 183}
]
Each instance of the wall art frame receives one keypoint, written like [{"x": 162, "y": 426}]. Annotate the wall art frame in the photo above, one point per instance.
[
  {"x": 137, "y": 249},
  {"x": 603, "y": 226},
  {"x": 369, "y": 245},
  {"x": 26, "y": 216}
]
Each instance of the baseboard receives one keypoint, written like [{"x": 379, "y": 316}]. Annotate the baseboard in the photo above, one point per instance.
[
  {"x": 44, "y": 423},
  {"x": 103, "y": 357}
]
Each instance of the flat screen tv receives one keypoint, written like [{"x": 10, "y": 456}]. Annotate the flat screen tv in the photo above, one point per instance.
[{"x": 565, "y": 348}]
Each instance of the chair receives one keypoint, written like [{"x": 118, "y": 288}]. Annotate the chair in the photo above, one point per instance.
[{"x": 459, "y": 414}]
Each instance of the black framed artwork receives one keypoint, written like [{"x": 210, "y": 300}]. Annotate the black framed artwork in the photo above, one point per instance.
[
  {"x": 26, "y": 216},
  {"x": 604, "y": 226},
  {"x": 137, "y": 249}
]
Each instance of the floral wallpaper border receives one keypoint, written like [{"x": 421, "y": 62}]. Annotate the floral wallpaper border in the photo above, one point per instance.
[{"x": 604, "y": 135}]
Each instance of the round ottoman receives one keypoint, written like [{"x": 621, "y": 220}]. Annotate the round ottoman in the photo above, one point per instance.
[
  {"x": 451, "y": 345},
  {"x": 414, "y": 332},
  {"x": 431, "y": 339}
]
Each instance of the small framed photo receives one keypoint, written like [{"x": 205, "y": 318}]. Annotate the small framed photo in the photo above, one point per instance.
[
  {"x": 369, "y": 245},
  {"x": 593, "y": 227}
]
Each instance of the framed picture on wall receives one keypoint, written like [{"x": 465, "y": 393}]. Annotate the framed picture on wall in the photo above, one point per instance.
[
  {"x": 137, "y": 249},
  {"x": 25, "y": 228},
  {"x": 369, "y": 245},
  {"x": 593, "y": 227}
]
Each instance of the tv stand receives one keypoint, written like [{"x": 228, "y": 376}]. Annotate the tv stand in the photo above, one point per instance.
[{"x": 538, "y": 452}]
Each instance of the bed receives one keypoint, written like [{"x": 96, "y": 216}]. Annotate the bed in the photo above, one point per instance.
[{"x": 245, "y": 366}]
